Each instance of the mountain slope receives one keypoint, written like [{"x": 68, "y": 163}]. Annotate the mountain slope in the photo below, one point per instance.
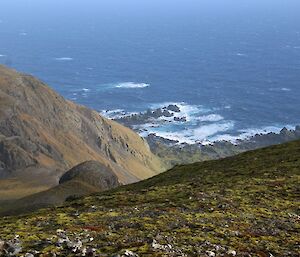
[
  {"x": 84, "y": 179},
  {"x": 42, "y": 135},
  {"x": 246, "y": 205}
]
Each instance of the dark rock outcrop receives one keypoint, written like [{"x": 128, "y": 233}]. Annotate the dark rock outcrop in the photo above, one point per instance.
[
  {"x": 84, "y": 179},
  {"x": 92, "y": 173},
  {"x": 173, "y": 108}
]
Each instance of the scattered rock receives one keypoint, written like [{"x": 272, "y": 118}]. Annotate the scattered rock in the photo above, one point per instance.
[
  {"x": 129, "y": 254},
  {"x": 181, "y": 119},
  {"x": 231, "y": 252},
  {"x": 210, "y": 253},
  {"x": 173, "y": 108},
  {"x": 11, "y": 247},
  {"x": 157, "y": 246},
  {"x": 75, "y": 245},
  {"x": 2, "y": 243},
  {"x": 166, "y": 113},
  {"x": 88, "y": 252}
]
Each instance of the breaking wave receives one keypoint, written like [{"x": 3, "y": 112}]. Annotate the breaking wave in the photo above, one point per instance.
[{"x": 131, "y": 85}]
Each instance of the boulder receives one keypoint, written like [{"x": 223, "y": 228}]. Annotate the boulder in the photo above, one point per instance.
[
  {"x": 180, "y": 119},
  {"x": 93, "y": 173}
]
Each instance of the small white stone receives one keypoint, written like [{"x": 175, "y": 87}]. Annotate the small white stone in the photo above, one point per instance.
[
  {"x": 210, "y": 253},
  {"x": 232, "y": 252}
]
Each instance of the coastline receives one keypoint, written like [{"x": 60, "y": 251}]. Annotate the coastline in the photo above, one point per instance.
[
  {"x": 218, "y": 145},
  {"x": 183, "y": 124}
]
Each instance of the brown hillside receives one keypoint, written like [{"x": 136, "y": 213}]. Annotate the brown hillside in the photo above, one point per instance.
[{"x": 42, "y": 135}]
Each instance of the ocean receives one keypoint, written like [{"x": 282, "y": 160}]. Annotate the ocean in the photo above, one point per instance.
[{"x": 233, "y": 67}]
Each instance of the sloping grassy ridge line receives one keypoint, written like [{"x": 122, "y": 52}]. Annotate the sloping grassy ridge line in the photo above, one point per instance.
[{"x": 246, "y": 205}]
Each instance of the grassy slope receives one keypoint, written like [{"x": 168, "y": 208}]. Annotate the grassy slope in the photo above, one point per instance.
[{"x": 248, "y": 203}]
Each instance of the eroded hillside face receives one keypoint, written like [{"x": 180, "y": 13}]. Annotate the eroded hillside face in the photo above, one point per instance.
[{"x": 42, "y": 135}]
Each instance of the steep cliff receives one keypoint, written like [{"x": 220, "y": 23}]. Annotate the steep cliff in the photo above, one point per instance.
[{"x": 42, "y": 135}]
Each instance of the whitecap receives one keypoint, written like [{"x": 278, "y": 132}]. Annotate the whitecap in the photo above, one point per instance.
[
  {"x": 263, "y": 130},
  {"x": 281, "y": 89},
  {"x": 199, "y": 123},
  {"x": 189, "y": 136},
  {"x": 241, "y": 54},
  {"x": 245, "y": 134},
  {"x": 204, "y": 132},
  {"x": 210, "y": 118},
  {"x": 131, "y": 85},
  {"x": 63, "y": 59},
  {"x": 2, "y": 55},
  {"x": 225, "y": 137},
  {"x": 86, "y": 90}
]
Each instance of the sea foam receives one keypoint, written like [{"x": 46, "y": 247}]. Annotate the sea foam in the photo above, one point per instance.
[
  {"x": 131, "y": 85},
  {"x": 200, "y": 134},
  {"x": 280, "y": 89},
  {"x": 210, "y": 117},
  {"x": 63, "y": 59},
  {"x": 245, "y": 134},
  {"x": 199, "y": 124}
]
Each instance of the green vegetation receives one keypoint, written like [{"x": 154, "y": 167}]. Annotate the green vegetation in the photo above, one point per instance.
[{"x": 247, "y": 205}]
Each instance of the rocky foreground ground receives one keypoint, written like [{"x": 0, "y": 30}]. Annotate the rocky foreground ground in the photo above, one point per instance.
[{"x": 246, "y": 205}]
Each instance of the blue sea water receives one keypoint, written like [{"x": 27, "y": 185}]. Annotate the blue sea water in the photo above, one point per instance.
[{"x": 233, "y": 66}]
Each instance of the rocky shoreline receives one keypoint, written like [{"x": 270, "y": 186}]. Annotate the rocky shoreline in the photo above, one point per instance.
[{"x": 173, "y": 152}]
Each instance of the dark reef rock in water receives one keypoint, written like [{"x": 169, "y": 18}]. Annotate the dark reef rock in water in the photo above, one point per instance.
[
  {"x": 173, "y": 108},
  {"x": 180, "y": 119},
  {"x": 148, "y": 116}
]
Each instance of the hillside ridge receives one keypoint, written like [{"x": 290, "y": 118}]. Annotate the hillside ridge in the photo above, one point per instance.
[
  {"x": 42, "y": 135},
  {"x": 246, "y": 205}
]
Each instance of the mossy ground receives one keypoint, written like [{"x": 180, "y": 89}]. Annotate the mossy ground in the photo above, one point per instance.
[{"x": 243, "y": 205}]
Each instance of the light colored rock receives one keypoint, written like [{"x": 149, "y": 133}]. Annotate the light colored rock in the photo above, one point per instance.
[
  {"x": 2, "y": 243},
  {"x": 231, "y": 252},
  {"x": 130, "y": 254},
  {"x": 210, "y": 253},
  {"x": 13, "y": 247},
  {"x": 76, "y": 245}
]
